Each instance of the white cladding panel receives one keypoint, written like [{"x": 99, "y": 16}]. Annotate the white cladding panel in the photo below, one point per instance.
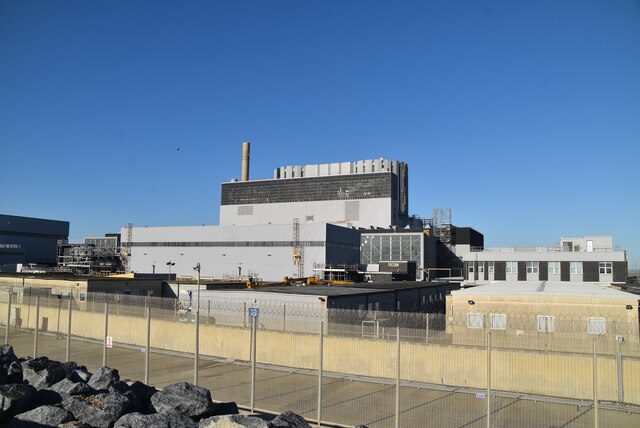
[
  {"x": 271, "y": 263},
  {"x": 370, "y": 212}
]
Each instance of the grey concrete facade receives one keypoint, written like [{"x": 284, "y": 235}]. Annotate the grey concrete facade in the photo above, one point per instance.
[
  {"x": 261, "y": 251},
  {"x": 30, "y": 240}
]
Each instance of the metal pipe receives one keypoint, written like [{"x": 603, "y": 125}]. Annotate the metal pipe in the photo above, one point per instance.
[
  {"x": 197, "y": 350},
  {"x": 147, "y": 348},
  {"x": 35, "y": 336},
  {"x": 397, "y": 420},
  {"x": 320, "y": 372},
  {"x": 253, "y": 363},
  {"x": 68, "y": 354},
  {"x": 6, "y": 333},
  {"x": 488, "y": 378},
  {"x": 106, "y": 333},
  {"x": 596, "y": 418},
  {"x": 245, "y": 161}
]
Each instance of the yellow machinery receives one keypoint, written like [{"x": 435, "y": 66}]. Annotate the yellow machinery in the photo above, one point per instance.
[{"x": 295, "y": 281}]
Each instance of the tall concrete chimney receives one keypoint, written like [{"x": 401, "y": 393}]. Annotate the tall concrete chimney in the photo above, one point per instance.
[{"x": 245, "y": 161}]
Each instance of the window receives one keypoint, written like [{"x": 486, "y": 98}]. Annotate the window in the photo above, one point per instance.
[
  {"x": 596, "y": 326},
  {"x": 498, "y": 321},
  {"x": 545, "y": 323},
  {"x": 532, "y": 267},
  {"x": 470, "y": 267},
  {"x": 490, "y": 267},
  {"x": 83, "y": 297},
  {"x": 480, "y": 267},
  {"x": 606, "y": 267},
  {"x": 475, "y": 320},
  {"x": 554, "y": 268},
  {"x": 575, "y": 267},
  {"x": 512, "y": 267}
]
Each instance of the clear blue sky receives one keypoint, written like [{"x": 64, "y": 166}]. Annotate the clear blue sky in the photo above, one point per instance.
[{"x": 523, "y": 117}]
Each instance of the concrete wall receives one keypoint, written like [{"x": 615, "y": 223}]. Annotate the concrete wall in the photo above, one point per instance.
[
  {"x": 222, "y": 249},
  {"x": 369, "y": 212},
  {"x": 533, "y": 372},
  {"x": 77, "y": 286}
]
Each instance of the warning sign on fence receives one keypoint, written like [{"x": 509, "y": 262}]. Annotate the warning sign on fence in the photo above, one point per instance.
[{"x": 109, "y": 342}]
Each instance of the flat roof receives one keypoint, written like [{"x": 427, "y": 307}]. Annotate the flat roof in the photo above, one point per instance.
[
  {"x": 320, "y": 290},
  {"x": 544, "y": 288},
  {"x": 396, "y": 285}
]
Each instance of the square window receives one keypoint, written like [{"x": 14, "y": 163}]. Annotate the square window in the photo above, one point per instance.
[
  {"x": 606, "y": 267},
  {"x": 575, "y": 267},
  {"x": 475, "y": 320},
  {"x": 512, "y": 267},
  {"x": 596, "y": 326},
  {"x": 498, "y": 321},
  {"x": 554, "y": 268},
  {"x": 532, "y": 267},
  {"x": 545, "y": 323}
]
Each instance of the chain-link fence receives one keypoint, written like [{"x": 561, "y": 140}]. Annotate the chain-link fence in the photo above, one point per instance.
[{"x": 349, "y": 367}]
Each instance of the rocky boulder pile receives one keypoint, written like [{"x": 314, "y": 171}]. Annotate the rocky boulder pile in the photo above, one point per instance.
[{"x": 38, "y": 392}]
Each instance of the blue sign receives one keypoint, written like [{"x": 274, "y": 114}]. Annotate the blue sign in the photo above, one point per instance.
[{"x": 253, "y": 312}]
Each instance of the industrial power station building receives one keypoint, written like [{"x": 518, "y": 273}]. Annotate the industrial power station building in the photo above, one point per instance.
[{"x": 303, "y": 218}]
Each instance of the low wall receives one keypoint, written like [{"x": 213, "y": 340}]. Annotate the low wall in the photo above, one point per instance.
[{"x": 558, "y": 374}]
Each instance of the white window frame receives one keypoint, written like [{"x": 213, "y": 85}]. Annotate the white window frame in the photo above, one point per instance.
[
  {"x": 480, "y": 267},
  {"x": 82, "y": 296},
  {"x": 596, "y": 325},
  {"x": 474, "y": 319},
  {"x": 553, "y": 268},
  {"x": 533, "y": 267},
  {"x": 546, "y": 323},
  {"x": 470, "y": 267},
  {"x": 490, "y": 266},
  {"x": 512, "y": 267},
  {"x": 605, "y": 267},
  {"x": 498, "y": 321},
  {"x": 575, "y": 267}
]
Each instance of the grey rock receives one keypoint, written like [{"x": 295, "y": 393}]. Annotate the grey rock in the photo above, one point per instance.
[
  {"x": 103, "y": 378},
  {"x": 83, "y": 373},
  {"x": 289, "y": 420},
  {"x": 70, "y": 371},
  {"x": 42, "y": 372},
  {"x": 74, "y": 424},
  {"x": 99, "y": 410},
  {"x": 135, "y": 404},
  {"x": 233, "y": 421},
  {"x": 188, "y": 399},
  {"x": 41, "y": 416},
  {"x": 7, "y": 356},
  {"x": 169, "y": 419},
  {"x": 16, "y": 399},
  {"x": 143, "y": 392},
  {"x": 68, "y": 386},
  {"x": 229, "y": 408},
  {"x": 361, "y": 426},
  {"x": 3, "y": 376},
  {"x": 48, "y": 397},
  {"x": 14, "y": 372}
]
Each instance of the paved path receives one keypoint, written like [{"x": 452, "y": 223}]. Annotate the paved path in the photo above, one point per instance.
[{"x": 345, "y": 401}]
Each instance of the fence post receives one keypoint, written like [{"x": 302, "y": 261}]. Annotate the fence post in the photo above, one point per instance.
[
  {"x": 253, "y": 363},
  {"x": 488, "y": 378},
  {"x": 148, "y": 347},
  {"x": 68, "y": 353},
  {"x": 619, "y": 366},
  {"x": 106, "y": 333},
  {"x": 196, "y": 363},
  {"x": 208, "y": 311},
  {"x": 284, "y": 317},
  {"x": 35, "y": 335},
  {"x": 595, "y": 386},
  {"x": 6, "y": 333},
  {"x": 427, "y": 337},
  {"x": 320, "y": 370},
  {"x": 397, "y": 424}
]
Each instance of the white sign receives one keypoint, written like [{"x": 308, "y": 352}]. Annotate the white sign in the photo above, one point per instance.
[{"x": 109, "y": 342}]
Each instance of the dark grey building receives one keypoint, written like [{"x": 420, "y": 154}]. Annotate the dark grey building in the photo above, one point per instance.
[{"x": 30, "y": 240}]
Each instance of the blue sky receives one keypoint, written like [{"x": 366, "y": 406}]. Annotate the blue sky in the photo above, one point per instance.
[{"x": 523, "y": 117}]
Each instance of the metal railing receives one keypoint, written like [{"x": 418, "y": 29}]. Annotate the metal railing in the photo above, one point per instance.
[{"x": 346, "y": 367}]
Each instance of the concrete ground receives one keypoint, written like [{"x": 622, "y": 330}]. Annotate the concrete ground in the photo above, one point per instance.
[{"x": 346, "y": 400}]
